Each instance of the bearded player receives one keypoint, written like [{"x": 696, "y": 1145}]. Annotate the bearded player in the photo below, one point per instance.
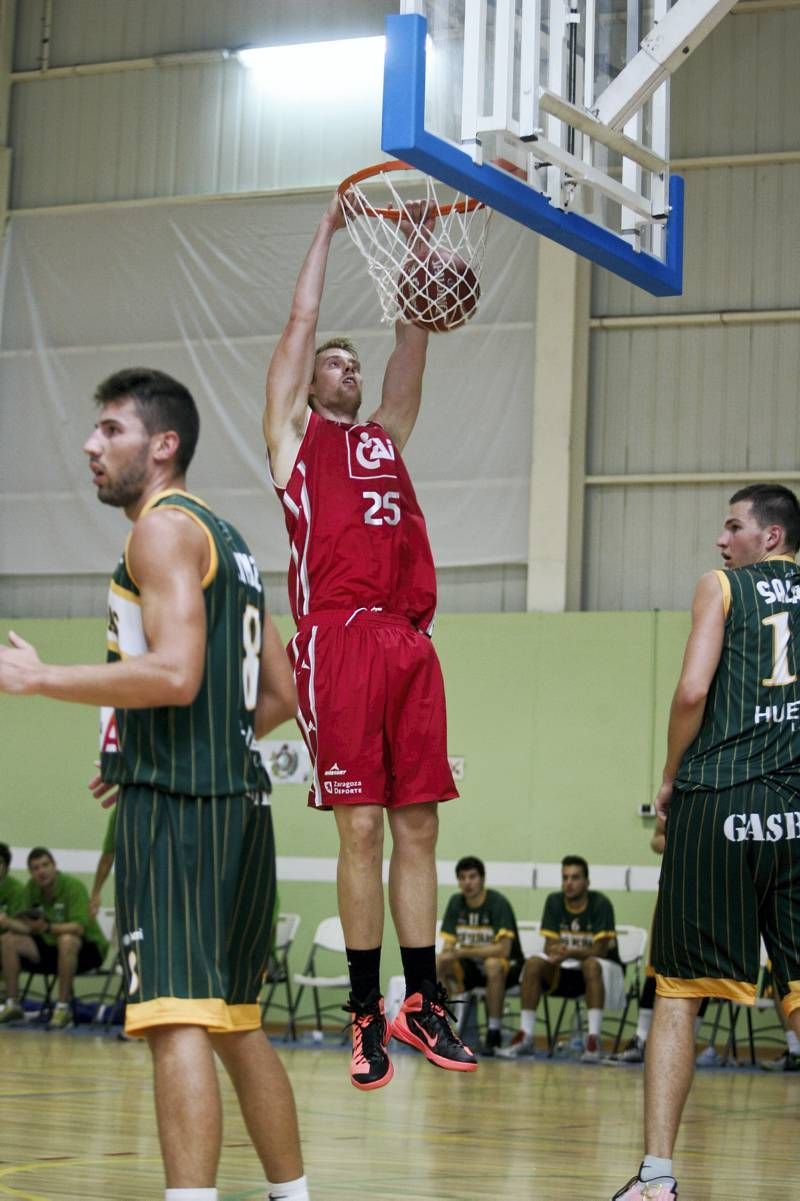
[{"x": 362, "y": 588}]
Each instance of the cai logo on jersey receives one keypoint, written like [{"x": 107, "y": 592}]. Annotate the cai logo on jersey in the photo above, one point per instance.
[{"x": 370, "y": 456}]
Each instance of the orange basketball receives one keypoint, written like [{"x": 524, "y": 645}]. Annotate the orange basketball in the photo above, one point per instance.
[{"x": 440, "y": 293}]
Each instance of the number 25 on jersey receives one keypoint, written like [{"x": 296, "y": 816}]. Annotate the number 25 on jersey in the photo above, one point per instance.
[{"x": 382, "y": 509}]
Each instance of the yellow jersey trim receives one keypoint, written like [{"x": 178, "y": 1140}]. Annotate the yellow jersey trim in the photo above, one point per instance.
[
  {"x": 780, "y": 558},
  {"x": 152, "y": 502},
  {"x": 125, "y": 592},
  {"x": 792, "y": 999},
  {"x": 214, "y": 1014},
  {"x": 550, "y": 933},
  {"x": 212, "y": 546},
  {"x": 725, "y": 585},
  {"x": 707, "y": 986}
]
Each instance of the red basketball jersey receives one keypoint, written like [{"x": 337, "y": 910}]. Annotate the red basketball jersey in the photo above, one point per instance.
[{"x": 356, "y": 532}]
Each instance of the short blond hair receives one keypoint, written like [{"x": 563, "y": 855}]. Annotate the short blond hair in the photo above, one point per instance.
[{"x": 337, "y": 344}]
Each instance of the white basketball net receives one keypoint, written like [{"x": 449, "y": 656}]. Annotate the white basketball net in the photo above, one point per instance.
[{"x": 398, "y": 265}]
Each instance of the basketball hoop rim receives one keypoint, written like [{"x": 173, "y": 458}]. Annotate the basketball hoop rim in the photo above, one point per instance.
[{"x": 467, "y": 205}]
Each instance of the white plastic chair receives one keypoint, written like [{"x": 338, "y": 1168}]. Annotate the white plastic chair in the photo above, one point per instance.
[
  {"x": 328, "y": 938},
  {"x": 278, "y": 972}
]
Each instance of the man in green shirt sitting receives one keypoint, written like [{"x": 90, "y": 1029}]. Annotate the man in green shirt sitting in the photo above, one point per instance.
[
  {"x": 580, "y": 953},
  {"x": 50, "y": 931},
  {"x": 481, "y": 944},
  {"x": 10, "y": 887}
]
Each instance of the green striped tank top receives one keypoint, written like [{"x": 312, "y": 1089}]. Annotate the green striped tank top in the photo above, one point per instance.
[
  {"x": 205, "y": 748},
  {"x": 751, "y": 724}
]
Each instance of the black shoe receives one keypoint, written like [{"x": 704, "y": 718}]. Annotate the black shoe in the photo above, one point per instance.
[
  {"x": 493, "y": 1040},
  {"x": 370, "y": 1066},
  {"x": 422, "y": 1023}
]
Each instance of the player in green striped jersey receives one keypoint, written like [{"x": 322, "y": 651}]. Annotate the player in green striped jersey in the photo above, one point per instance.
[
  {"x": 196, "y": 672},
  {"x": 731, "y": 798}
]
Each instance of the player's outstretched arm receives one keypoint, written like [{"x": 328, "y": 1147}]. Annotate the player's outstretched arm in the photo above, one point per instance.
[
  {"x": 168, "y": 556},
  {"x": 700, "y": 662},
  {"x": 277, "y": 696},
  {"x": 291, "y": 367},
  {"x": 402, "y": 381}
]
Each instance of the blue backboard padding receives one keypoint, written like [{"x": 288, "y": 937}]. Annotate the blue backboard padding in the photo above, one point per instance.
[{"x": 404, "y": 136}]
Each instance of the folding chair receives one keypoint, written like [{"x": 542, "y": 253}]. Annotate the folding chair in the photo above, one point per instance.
[
  {"x": 278, "y": 969},
  {"x": 328, "y": 942},
  {"x": 631, "y": 945},
  {"x": 113, "y": 990},
  {"x": 733, "y": 1011}
]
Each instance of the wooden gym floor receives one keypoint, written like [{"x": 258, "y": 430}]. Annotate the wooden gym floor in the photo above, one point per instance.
[{"x": 77, "y": 1125}]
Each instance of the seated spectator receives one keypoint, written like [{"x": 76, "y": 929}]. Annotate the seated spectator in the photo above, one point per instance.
[
  {"x": 577, "y": 924},
  {"x": 481, "y": 944},
  {"x": 51, "y": 932},
  {"x": 11, "y": 889}
]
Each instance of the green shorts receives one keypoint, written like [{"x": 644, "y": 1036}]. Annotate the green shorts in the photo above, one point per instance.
[
  {"x": 196, "y": 900},
  {"x": 730, "y": 877}
]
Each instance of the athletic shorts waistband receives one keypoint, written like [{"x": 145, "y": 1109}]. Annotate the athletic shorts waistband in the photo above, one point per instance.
[{"x": 346, "y": 617}]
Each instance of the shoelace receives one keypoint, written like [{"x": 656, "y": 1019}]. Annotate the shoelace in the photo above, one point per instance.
[{"x": 367, "y": 1024}]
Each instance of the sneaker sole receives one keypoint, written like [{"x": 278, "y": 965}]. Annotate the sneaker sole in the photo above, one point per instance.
[
  {"x": 404, "y": 1035},
  {"x": 366, "y": 1087}
]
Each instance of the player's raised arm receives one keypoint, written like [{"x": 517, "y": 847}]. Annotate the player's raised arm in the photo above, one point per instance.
[
  {"x": 700, "y": 662},
  {"x": 401, "y": 394},
  {"x": 277, "y": 695},
  {"x": 402, "y": 383},
  {"x": 292, "y": 365}
]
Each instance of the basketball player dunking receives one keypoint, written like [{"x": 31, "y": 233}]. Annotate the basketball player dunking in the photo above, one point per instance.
[{"x": 371, "y": 697}]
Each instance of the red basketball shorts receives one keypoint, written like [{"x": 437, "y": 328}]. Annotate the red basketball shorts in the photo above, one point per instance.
[{"x": 372, "y": 710}]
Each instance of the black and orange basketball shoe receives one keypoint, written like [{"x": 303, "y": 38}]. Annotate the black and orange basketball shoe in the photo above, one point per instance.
[
  {"x": 423, "y": 1023},
  {"x": 370, "y": 1066}
]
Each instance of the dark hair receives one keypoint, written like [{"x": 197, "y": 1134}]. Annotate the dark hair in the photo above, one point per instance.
[
  {"x": 772, "y": 504},
  {"x": 576, "y": 861},
  {"x": 39, "y": 853},
  {"x": 5, "y": 853},
  {"x": 471, "y": 863},
  {"x": 162, "y": 403}
]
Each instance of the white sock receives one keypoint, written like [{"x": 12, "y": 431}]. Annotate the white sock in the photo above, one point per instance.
[
  {"x": 643, "y": 1024},
  {"x": 595, "y": 1017},
  {"x": 291, "y": 1190},
  {"x": 527, "y": 1022},
  {"x": 653, "y": 1168},
  {"x": 495, "y": 1023},
  {"x": 191, "y": 1194}
]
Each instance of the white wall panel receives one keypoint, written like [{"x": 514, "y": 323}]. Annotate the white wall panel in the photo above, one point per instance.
[
  {"x": 694, "y": 400},
  {"x": 646, "y": 547},
  {"x": 87, "y": 31},
  {"x": 202, "y": 292},
  {"x": 742, "y": 246},
  {"x": 740, "y": 91},
  {"x": 183, "y": 131}
]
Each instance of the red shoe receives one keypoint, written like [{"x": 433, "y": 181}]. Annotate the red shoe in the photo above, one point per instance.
[
  {"x": 422, "y": 1023},
  {"x": 370, "y": 1066}
]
